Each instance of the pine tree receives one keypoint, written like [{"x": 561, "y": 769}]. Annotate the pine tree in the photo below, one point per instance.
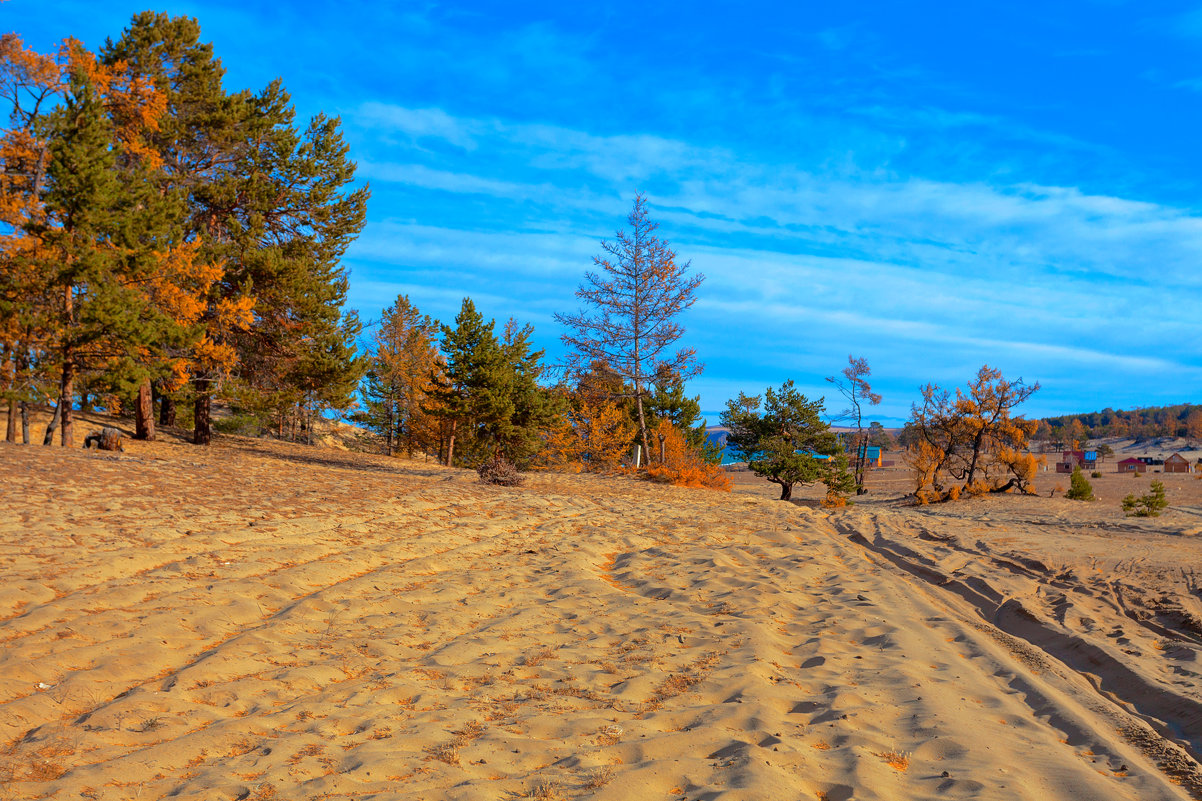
[
  {"x": 788, "y": 443},
  {"x": 534, "y": 409},
  {"x": 488, "y": 392},
  {"x": 1079, "y": 487},
  {"x": 269, "y": 204},
  {"x": 468, "y": 391}
]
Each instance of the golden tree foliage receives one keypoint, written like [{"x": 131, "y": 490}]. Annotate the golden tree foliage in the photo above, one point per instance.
[
  {"x": 163, "y": 270},
  {"x": 402, "y": 364},
  {"x": 972, "y": 438},
  {"x": 683, "y": 465},
  {"x": 593, "y": 435}
]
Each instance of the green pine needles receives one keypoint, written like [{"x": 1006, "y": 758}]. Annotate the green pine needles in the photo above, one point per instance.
[
  {"x": 1079, "y": 487},
  {"x": 1150, "y": 505}
]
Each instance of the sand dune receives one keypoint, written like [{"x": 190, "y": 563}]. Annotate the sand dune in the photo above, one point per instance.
[{"x": 254, "y": 622}]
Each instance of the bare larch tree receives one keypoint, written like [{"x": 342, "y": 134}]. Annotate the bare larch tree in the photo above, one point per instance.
[
  {"x": 854, "y": 386},
  {"x": 632, "y": 304}
]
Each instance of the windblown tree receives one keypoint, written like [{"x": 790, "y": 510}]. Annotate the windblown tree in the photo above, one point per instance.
[
  {"x": 786, "y": 441},
  {"x": 971, "y": 441},
  {"x": 401, "y": 360},
  {"x": 855, "y": 388},
  {"x": 632, "y": 305}
]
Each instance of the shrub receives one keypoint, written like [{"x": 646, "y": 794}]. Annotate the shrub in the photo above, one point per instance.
[
  {"x": 1150, "y": 505},
  {"x": 500, "y": 471},
  {"x": 683, "y": 465},
  {"x": 1095, "y": 474},
  {"x": 1079, "y": 487}
]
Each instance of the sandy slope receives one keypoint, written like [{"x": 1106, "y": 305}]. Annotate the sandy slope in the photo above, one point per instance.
[{"x": 264, "y": 622}]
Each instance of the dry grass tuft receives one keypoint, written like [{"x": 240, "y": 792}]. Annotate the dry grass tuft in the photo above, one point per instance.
[
  {"x": 546, "y": 790},
  {"x": 444, "y": 752},
  {"x": 598, "y": 778},
  {"x": 539, "y": 657},
  {"x": 898, "y": 760}
]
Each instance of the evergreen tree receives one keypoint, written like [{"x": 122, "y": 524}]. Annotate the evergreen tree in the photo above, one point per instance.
[
  {"x": 488, "y": 390},
  {"x": 785, "y": 443},
  {"x": 534, "y": 409},
  {"x": 1079, "y": 487},
  {"x": 269, "y": 204},
  {"x": 469, "y": 391}
]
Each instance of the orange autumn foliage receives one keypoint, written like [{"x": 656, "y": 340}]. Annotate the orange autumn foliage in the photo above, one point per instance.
[
  {"x": 972, "y": 438},
  {"x": 594, "y": 435},
  {"x": 682, "y": 465}
]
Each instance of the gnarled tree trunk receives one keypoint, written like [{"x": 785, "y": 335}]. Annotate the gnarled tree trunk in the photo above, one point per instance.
[
  {"x": 144, "y": 413},
  {"x": 202, "y": 426},
  {"x": 53, "y": 425}
]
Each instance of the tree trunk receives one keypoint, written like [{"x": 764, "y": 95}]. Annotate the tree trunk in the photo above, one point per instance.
[
  {"x": 638, "y": 402},
  {"x": 53, "y": 425},
  {"x": 10, "y": 434},
  {"x": 65, "y": 396},
  {"x": 202, "y": 429},
  {"x": 451, "y": 444},
  {"x": 786, "y": 491},
  {"x": 144, "y": 413},
  {"x": 167, "y": 411},
  {"x": 25, "y": 422},
  {"x": 66, "y": 393}
]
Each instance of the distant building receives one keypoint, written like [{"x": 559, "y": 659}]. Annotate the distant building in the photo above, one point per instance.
[
  {"x": 1176, "y": 464},
  {"x": 1132, "y": 465},
  {"x": 1071, "y": 460},
  {"x": 872, "y": 455}
]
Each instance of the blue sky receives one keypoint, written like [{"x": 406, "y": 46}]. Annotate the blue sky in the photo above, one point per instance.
[{"x": 932, "y": 186}]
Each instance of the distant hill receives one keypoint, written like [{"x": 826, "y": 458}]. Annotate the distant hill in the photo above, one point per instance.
[{"x": 1182, "y": 420}]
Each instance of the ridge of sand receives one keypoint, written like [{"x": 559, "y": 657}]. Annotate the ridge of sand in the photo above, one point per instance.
[{"x": 258, "y": 621}]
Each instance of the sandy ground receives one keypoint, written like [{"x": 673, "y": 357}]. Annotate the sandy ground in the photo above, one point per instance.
[{"x": 258, "y": 621}]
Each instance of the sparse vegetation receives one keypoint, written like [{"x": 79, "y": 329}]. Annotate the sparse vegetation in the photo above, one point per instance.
[
  {"x": 596, "y": 779},
  {"x": 1149, "y": 505},
  {"x": 500, "y": 471},
  {"x": 898, "y": 760}
]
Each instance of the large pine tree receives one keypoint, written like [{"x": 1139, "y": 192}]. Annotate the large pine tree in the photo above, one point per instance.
[{"x": 270, "y": 203}]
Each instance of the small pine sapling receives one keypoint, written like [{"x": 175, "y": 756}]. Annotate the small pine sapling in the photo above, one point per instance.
[
  {"x": 1150, "y": 505},
  {"x": 1079, "y": 487}
]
